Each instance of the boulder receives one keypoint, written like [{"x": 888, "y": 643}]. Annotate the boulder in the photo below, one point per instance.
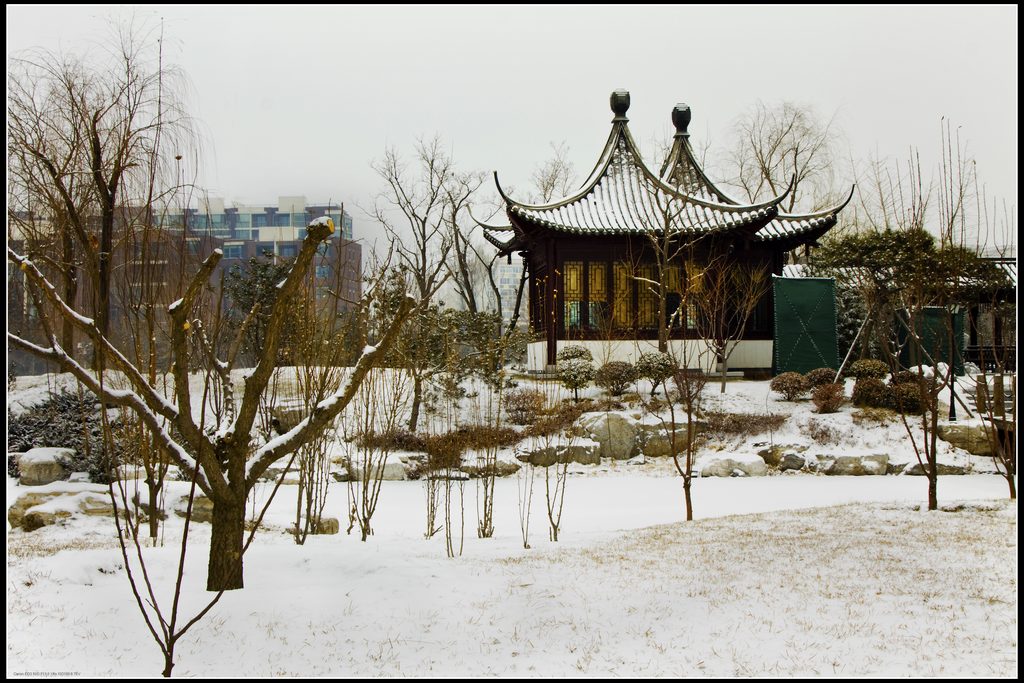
[
  {"x": 502, "y": 468},
  {"x": 95, "y": 504},
  {"x": 41, "y": 466},
  {"x": 539, "y": 454},
  {"x": 36, "y": 519},
  {"x": 655, "y": 440},
  {"x": 616, "y": 433},
  {"x": 857, "y": 465},
  {"x": 328, "y": 526},
  {"x": 38, "y": 509},
  {"x": 791, "y": 461},
  {"x": 820, "y": 462},
  {"x": 773, "y": 455},
  {"x": 720, "y": 465},
  {"x": 971, "y": 438},
  {"x": 16, "y": 513},
  {"x": 202, "y": 508},
  {"x": 915, "y": 469}
]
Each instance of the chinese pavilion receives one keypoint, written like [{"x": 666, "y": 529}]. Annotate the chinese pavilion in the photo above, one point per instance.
[{"x": 589, "y": 255}]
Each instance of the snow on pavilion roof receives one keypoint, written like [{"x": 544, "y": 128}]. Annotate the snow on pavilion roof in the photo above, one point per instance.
[
  {"x": 623, "y": 197},
  {"x": 682, "y": 170}
]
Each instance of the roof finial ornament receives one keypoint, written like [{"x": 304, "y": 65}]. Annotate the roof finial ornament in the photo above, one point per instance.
[
  {"x": 681, "y": 119},
  {"x": 620, "y": 104}
]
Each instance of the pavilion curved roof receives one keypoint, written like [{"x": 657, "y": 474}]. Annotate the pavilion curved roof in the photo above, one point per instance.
[
  {"x": 622, "y": 196},
  {"x": 681, "y": 169}
]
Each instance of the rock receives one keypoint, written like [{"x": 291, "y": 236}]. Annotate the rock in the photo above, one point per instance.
[
  {"x": 638, "y": 460},
  {"x": 40, "y": 466},
  {"x": 583, "y": 451},
  {"x": 857, "y": 465},
  {"x": 36, "y": 519},
  {"x": 202, "y": 508},
  {"x": 394, "y": 470},
  {"x": 915, "y": 469},
  {"x": 615, "y": 432},
  {"x": 716, "y": 465},
  {"x": 820, "y": 463},
  {"x": 16, "y": 513},
  {"x": 79, "y": 477},
  {"x": 340, "y": 476},
  {"x": 791, "y": 461},
  {"x": 501, "y": 468},
  {"x": 655, "y": 440},
  {"x": 773, "y": 455},
  {"x": 971, "y": 438},
  {"x": 95, "y": 504},
  {"x": 328, "y": 526}
]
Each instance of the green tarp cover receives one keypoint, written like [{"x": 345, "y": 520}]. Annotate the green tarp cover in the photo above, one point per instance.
[
  {"x": 805, "y": 324},
  {"x": 934, "y": 329}
]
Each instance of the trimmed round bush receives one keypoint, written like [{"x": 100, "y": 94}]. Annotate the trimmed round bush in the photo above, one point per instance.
[
  {"x": 815, "y": 378},
  {"x": 908, "y": 398},
  {"x": 570, "y": 352},
  {"x": 523, "y": 405},
  {"x": 656, "y": 367},
  {"x": 576, "y": 373},
  {"x": 615, "y": 377},
  {"x": 867, "y": 368},
  {"x": 828, "y": 398},
  {"x": 907, "y": 377},
  {"x": 870, "y": 392},
  {"x": 790, "y": 384}
]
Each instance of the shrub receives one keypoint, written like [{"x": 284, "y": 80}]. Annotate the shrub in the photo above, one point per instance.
[
  {"x": 570, "y": 352},
  {"x": 742, "y": 424},
  {"x": 397, "y": 440},
  {"x": 828, "y": 397},
  {"x": 907, "y": 377},
  {"x": 656, "y": 367},
  {"x": 822, "y": 433},
  {"x": 560, "y": 418},
  {"x": 576, "y": 373},
  {"x": 908, "y": 398},
  {"x": 615, "y": 377},
  {"x": 867, "y": 368},
  {"x": 790, "y": 384},
  {"x": 523, "y": 405},
  {"x": 66, "y": 420},
  {"x": 815, "y": 378},
  {"x": 871, "y": 393}
]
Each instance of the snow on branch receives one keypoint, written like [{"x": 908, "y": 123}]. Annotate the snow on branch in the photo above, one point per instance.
[{"x": 327, "y": 409}]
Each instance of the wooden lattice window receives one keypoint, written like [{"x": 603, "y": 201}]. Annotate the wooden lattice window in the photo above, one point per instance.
[
  {"x": 572, "y": 274},
  {"x": 597, "y": 298},
  {"x": 646, "y": 297},
  {"x": 622, "y": 313}
]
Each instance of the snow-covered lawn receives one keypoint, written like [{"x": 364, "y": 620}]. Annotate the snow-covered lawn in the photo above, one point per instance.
[{"x": 762, "y": 583}]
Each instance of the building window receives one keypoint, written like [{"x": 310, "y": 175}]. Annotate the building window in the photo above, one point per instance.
[
  {"x": 299, "y": 220},
  {"x": 572, "y": 285},
  {"x": 597, "y": 299},
  {"x": 288, "y": 251},
  {"x": 323, "y": 272},
  {"x": 281, "y": 220},
  {"x": 243, "y": 220},
  {"x": 233, "y": 251},
  {"x": 646, "y": 298},
  {"x": 622, "y": 313},
  {"x": 259, "y": 220}
]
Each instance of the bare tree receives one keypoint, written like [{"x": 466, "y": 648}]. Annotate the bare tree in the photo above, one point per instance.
[
  {"x": 783, "y": 143},
  {"x": 230, "y": 463},
  {"x": 728, "y": 294},
  {"x": 555, "y": 177},
  {"x": 420, "y": 198},
  {"x": 86, "y": 140}
]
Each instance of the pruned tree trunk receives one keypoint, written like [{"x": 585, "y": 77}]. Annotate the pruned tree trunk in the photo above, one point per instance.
[
  {"x": 417, "y": 399},
  {"x": 226, "y": 541}
]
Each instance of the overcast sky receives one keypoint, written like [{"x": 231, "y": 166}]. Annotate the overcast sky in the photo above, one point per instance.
[{"x": 299, "y": 100}]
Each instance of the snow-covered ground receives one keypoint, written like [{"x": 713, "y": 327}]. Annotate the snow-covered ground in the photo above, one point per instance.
[
  {"x": 782, "y": 575},
  {"x": 762, "y": 583}
]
